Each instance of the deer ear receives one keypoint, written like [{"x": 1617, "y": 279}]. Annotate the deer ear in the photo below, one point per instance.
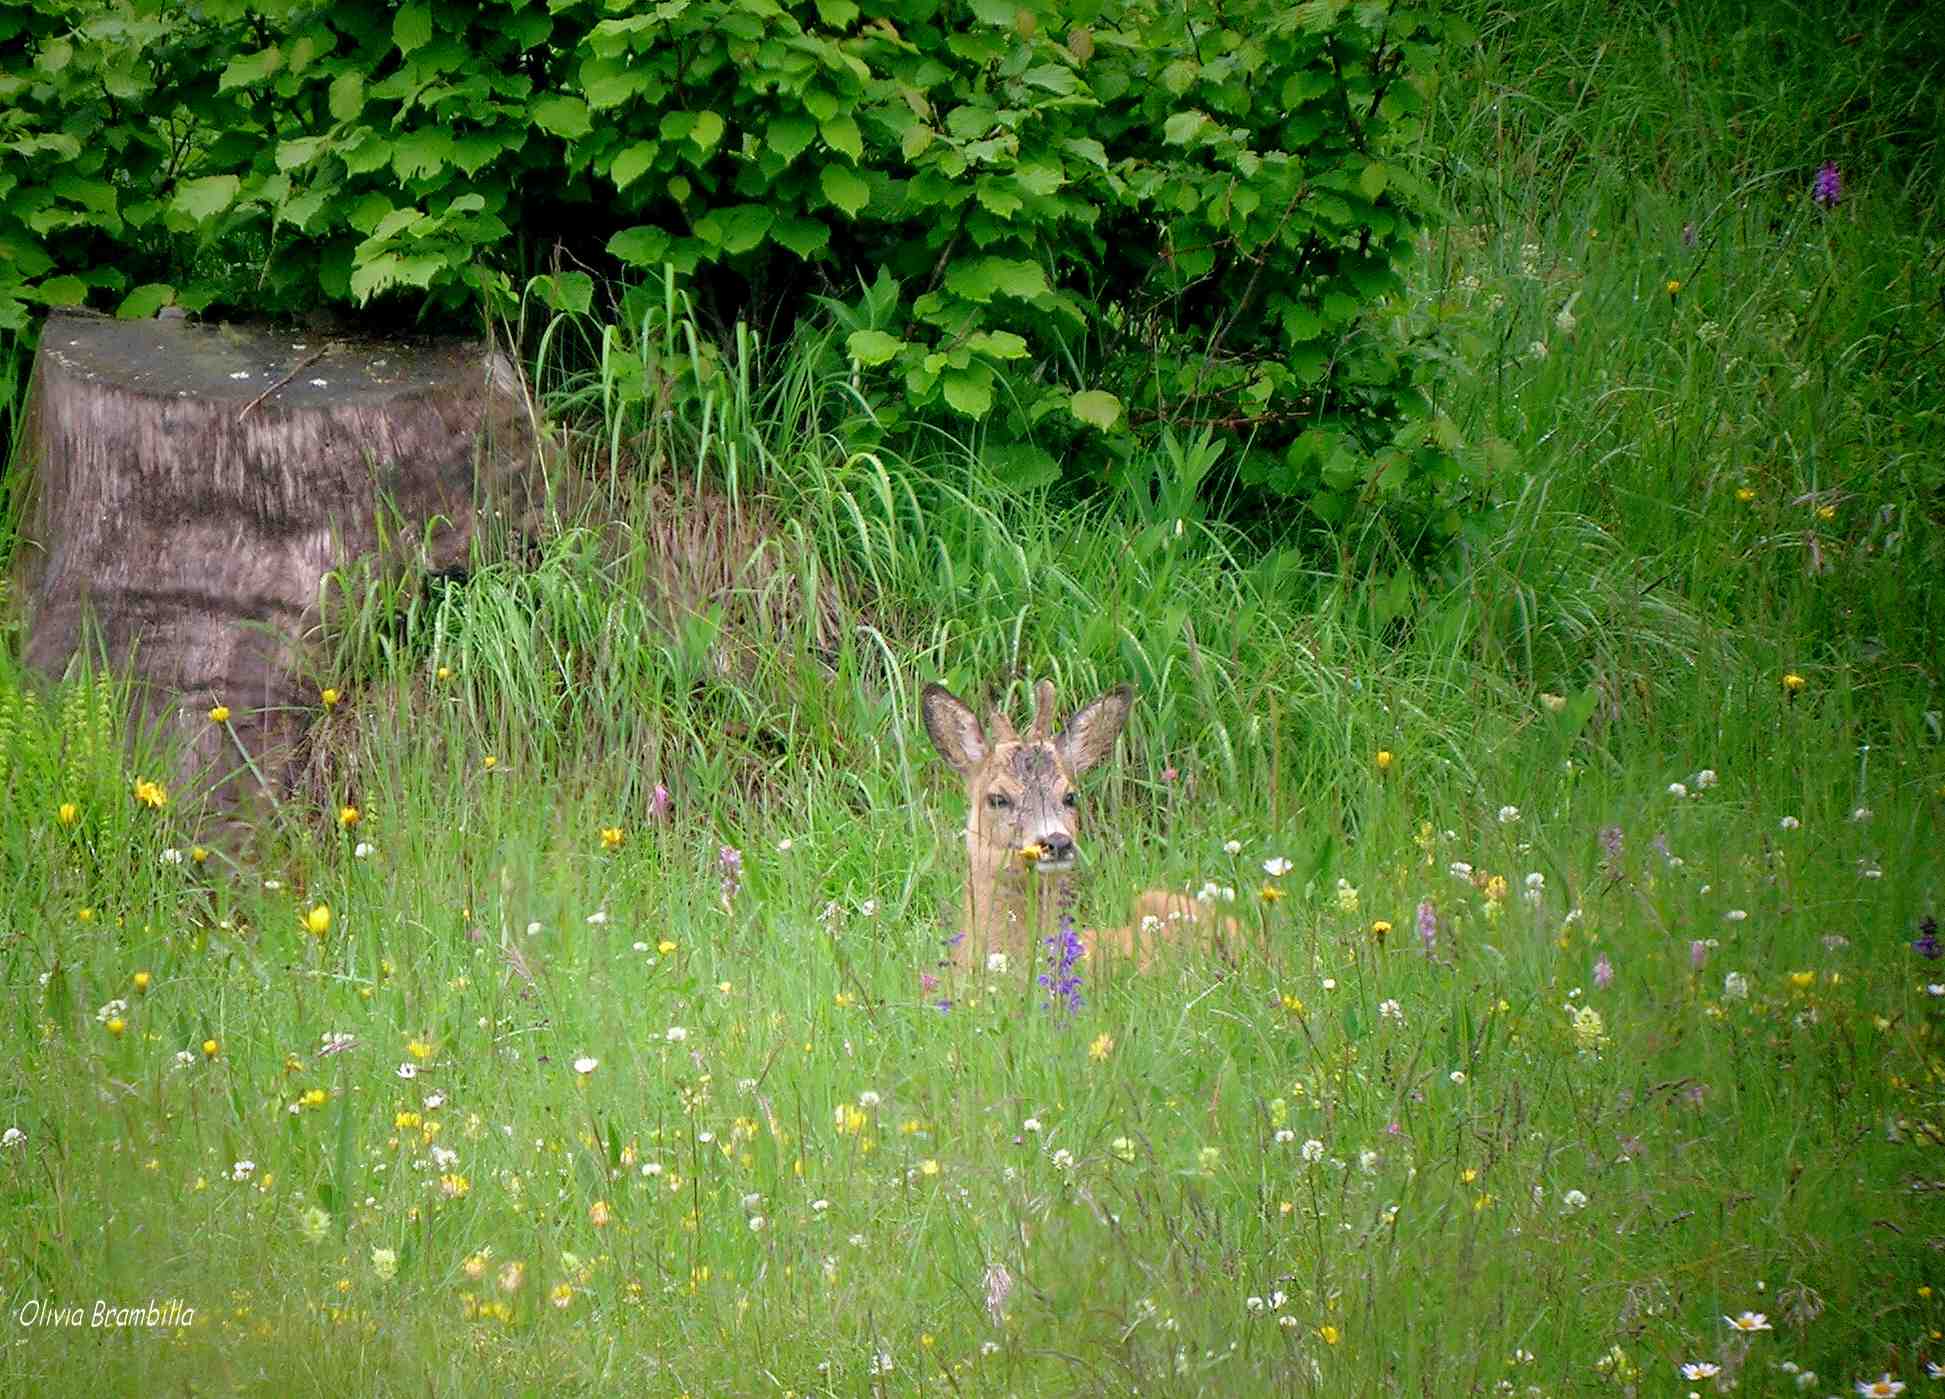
[
  {"x": 954, "y": 729},
  {"x": 1090, "y": 734}
]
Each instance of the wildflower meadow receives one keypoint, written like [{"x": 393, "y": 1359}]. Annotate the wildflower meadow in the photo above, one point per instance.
[{"x": 584, "y": 1021}]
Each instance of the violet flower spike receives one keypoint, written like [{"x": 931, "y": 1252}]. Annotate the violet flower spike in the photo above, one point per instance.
[{"x": 1828, "y": 188}]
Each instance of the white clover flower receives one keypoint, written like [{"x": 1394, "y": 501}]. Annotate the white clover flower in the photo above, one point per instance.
[
  {"x": 586, "y": 1065},
  {"x": 869, "y": 1098},
  {"x": 1458, "y": 1076},
  {"x": 408, "y": 1070},
  {"x": 1508, "y": 815},
  {"x": 1459, "y": 869},
  {"x": 1735, "y": 915},
  {"x": 1704, "y": 779},
  {"x": 996, "y": 963},
  {"x": 1032, "y": 1124},
  {"x": 757, "y": 1222},
  {"x": 1789, "y": 823},
  {"x": 1391, "y": 1010},
  {"x": 598, "y": 917},
  {"x": 1284, "y": 1136},
  {"x": 1277, "y": 868},
  {"x": 1367, "y": 1162},
  {"x": 363, "y": 850},
  {"x": 243, "y": 1170},
  {"x": 1573, "y": 1200},
  {"x": 1232, "y": 847},
  {"x": 1677, "y": 790},
  {"x": 12, "y": 1137},
  {"x": 1312, "y": 1151},
  {"x": 675, "y": 1034},
  {"x": 1735, "y": 987},
  {"x": 1862, "y": 814},
  {"x": 171, "y": 856}
]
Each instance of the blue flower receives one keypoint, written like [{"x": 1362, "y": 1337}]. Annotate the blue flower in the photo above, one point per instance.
[
  {"x": 1060, "y": 980},
  {"x": 1828, "y": 187},
  {"x": 1926, "y": 943}
]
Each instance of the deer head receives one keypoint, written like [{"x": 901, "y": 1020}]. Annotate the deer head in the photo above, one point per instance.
[{"x": 1023, "y": 811}]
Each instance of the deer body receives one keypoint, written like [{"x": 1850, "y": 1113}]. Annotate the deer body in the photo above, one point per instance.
[{"x": 1023, "y": 823}]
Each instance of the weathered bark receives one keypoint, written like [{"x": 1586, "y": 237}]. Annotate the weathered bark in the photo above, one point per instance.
[{"x": 194, "y": 484}]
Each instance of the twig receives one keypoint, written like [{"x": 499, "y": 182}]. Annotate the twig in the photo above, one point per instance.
[{"x": 312, "y": 358}]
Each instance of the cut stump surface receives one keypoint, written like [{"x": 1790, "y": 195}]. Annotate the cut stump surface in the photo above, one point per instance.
[{"x": 192, "y": 486}]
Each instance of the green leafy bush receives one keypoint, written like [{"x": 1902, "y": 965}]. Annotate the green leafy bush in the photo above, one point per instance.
[{"x": 1082, "y": 221}]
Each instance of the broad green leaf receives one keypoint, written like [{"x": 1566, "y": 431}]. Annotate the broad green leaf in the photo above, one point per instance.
[
  {"x": 411, "y": 29},
  {"x": 1184, "y": 127},
  {"x": 1371, "y": 181},
  {"x": 347, "y": 96},
  {"x": 969, "y": 390},
  {"x": 1096, "y": 408},
  {"x": 397, "y": 222},
  {"x": 872, "y": 347},
  {"x": 915, "y": 140},
  {"x": 707, "y": 131},
  {"x": 62, "y": 291},
  {"x": 142, "y": 303},
  {"x": 1052, "y": 77},
  {"x": 844, "y": 188},
  {"x": 205, "y": 198},
  {"x": 741, "y": 228},
  {"x": 995, "y": 200},
  {"x": 790, "y": 134},
  {"x": 1023, "y": 466},
  {"x": 562, "y": 116},
  {"x": 633, "y": 163},
  {"x": 837, "y": 14},
  {"x": 1000, "y": 344},
  {"x": 301, "y": 209},
  {"x": 249, "y": 69},
  {"x": 566, "y": 291},
  {"x": 1088, "y": 149},
  {"x": 420, "y": 153},
  {"x": 641, "y": 246},
  {"x": 302, "y": 151},
  {"x": 841, "y": 134},
  {"x": 806, "y": 237}
]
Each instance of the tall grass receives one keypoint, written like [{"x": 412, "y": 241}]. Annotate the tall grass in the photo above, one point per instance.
[{"x": 1592, "y": 1005}]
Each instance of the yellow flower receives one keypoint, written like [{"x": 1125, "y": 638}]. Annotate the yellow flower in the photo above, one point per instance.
[
  {"x": 1674, "y": 287},
  {"x": 611, "y": 837},
  {"x": 141, "y": 981},
  {"x": 198, "y": 853},
  {"x": 1102, "y": 1047},
  {"x": 150, "y": 794},
  {"x": 1803, "y": 980},
  {"x": 1380, "y": 930},
  {"x": 220, "y": 714},
  {"x": 1330, "y": 1334},
  {"x": 599, "y": 1214},
  {"x": 1793, "y": 683},
  {"x": 1496, "y": 888},
  {"x": 1031, "y": 853},
  {"x": 665, "y": 946},
  {"x": 330, "y": 698},
  {"x": 419, "y": 1050},
  {"x": 1269, "y": 893},
  {"x": 211, "y": 1049},
  {"x": 1826, "y": 512},
  {"x": 928, "y": 1167},
  {"x": 1554, "y": 704},
  {"x": 1590, "y": 1032},
  {"x": 116, "y": 1024},
  {"x": 1745, "y": 494},
  {"x": 85, "y": 915},
  {"x": 68, "y": 814},
  {"x": 1384, "y": 760},
  {"x": 349, "y": 816},
  {"x": 318, "y": 921},
  {"x": 314, "y": 1098},
  {"x": 489, "y": 762},
  {"x": 444, "y": 672}
]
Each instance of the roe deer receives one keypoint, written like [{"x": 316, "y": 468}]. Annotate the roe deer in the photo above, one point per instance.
[{"x": 1022, "y": 820}]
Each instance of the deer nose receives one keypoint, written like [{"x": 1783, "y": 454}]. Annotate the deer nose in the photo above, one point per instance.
[{"x": 1059, "y": 846}]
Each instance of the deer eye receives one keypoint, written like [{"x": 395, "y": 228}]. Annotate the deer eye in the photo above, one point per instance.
[
  {"x": 999, "y": 801},
  {"x": 1070, "y": 800}
]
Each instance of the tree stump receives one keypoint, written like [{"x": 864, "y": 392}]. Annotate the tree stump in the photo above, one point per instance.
[{"x": 192, "y": 486}]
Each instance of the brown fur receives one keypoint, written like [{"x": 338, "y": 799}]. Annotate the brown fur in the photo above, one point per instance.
[{"x": 1020, "y": 792}]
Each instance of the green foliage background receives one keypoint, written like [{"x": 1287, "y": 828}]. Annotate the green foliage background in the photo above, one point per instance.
[{"x": 1083, "y": 223}]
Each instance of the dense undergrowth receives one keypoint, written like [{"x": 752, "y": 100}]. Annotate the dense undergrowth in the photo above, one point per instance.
[{"x": 582, "y": 1027}]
